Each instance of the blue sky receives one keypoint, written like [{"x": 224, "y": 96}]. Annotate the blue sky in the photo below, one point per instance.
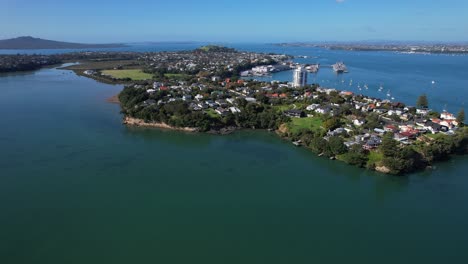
[{"x": 235, "y": 20}]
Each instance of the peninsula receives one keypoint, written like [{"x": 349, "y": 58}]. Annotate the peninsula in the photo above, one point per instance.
[
  {"x": 410, "y": 48},
  {"x": 37, "y": 43},
  {"x": 202, "y": 91}
]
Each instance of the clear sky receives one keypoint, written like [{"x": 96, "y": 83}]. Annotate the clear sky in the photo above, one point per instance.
[{"x": 235, "y": 20}]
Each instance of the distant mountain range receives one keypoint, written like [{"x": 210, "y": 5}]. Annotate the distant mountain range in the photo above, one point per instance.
[{"x": 37, "y": 43}]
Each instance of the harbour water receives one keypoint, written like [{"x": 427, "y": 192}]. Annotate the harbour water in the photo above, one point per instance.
[
  {"x": 404, "y": 76},
  {"x": 78, "y": 187}
]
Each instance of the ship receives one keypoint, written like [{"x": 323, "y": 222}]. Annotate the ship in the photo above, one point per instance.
[
  {"x": 340, "y": 67},
  {"x": 313, "y": 68}
]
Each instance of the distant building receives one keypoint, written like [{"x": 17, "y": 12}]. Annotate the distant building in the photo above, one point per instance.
[
  {"x": 89, "y": 72},
  {"x": 299, "y": 77}
]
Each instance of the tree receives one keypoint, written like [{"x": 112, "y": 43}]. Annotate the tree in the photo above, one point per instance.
[
  {"x": 422, "y": 101},
  {"x": 461, "y": 116},
  {"x": 405, "y": 160},
  {"x": 356, "y": 156},
  {"x": 372, "y": 121},
  {"x": 332, "y": 123},
  {"x": 389, "y": 146},
  {"x": 318, "y": 144},
  {"x": 336, "y": 145}
]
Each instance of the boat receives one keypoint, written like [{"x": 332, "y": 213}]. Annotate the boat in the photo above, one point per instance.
[
  {"x": 388, "y": 93},
  {"x": 313, "y": 68},
  {"x": 340, "y": 67},
  {"x": 297, "y": 143}
]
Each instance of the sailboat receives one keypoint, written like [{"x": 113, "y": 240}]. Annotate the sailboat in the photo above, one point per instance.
[
  {"x": 380, "y": 88},
  {"x": 388, "y": 93}
]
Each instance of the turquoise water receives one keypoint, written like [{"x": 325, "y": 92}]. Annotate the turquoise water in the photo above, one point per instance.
[{"x": 78, "y": 187}]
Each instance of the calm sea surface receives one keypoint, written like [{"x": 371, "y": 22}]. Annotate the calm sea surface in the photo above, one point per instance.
[{"x": 78, "y": 187}]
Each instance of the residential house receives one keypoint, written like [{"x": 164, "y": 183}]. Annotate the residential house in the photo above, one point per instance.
[
  {"x": 198, "y": 97},
  {"x": 312, "y": 107},
  {"x": 359, "y": 122},
  {"x": 422, "y": 111},
  {"x": 323, "y": 110},
  {"x": 222, "y": 111},
  {"x": 234, "y": 109},
  {"x": 187, "y": 97},
  {"x": 434, "y": 127},
  {"x": 231, "y": 100},
  {"x": 251, "y": 99}
]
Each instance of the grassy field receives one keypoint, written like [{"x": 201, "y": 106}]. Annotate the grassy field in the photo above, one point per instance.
[
  {"x": 435, "y": 136},
  {"x": 375, "y": 157},
  {"x": 311, "y": 123},
  {"x": 290, "y": 107},
  {"x": 134, "y": 74},
  {"x": 103, "y": 64},
  {"x": 211, "y": 113}
]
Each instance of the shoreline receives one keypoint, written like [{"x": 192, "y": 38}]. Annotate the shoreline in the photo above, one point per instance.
[
  {"x": 130, "y": 121},
  {"x": 114, "y": 99}
]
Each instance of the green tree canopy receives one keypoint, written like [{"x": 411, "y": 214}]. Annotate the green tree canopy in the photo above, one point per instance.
[
  {"x": 356, "y": 156},
  {"x": 422, "y": 101},
  {"x": 461, "y": 116},
  {"x": 332, "y": 123},
  {"x": 389, "y": 145},
  {"x": 336, "y": 145}
]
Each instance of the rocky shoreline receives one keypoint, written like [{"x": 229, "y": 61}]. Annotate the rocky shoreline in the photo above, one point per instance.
[{"x": 130, "y": 121}]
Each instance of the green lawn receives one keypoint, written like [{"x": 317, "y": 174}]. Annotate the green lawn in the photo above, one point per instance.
[
  {"x": 311, "y": 123},
  {"x": 375, "y": 157},
  {"x": 136, "y": 75},
  {"x": 211, "y": 113},
  {"x": 435, "y": 136},
  {"x": 283, "y": 108}
]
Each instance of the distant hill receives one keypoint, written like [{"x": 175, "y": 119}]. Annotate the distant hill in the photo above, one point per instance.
[
  {"x": 37, "y": 43},
  {"x": 214, "y": 48}
]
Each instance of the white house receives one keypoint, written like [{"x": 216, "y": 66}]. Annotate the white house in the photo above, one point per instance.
[
  {"x": 447, "y": 116},
  {"x": 422, "y": 111},
  {"x": 234, "y": 109},
  {"x": 251, "y": 99},
  {"x": 312, "y": 107},
  {"x": 198, "y": 97},
  {"x": 358, "y": 122},
  {"x": 231, "y": 100},
  {"x": 186, "y": 97},
  {"x": 323, "y": 110}
]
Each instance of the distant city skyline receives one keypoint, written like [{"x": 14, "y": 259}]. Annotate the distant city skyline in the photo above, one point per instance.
[{"x": 236, "y": 21}]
